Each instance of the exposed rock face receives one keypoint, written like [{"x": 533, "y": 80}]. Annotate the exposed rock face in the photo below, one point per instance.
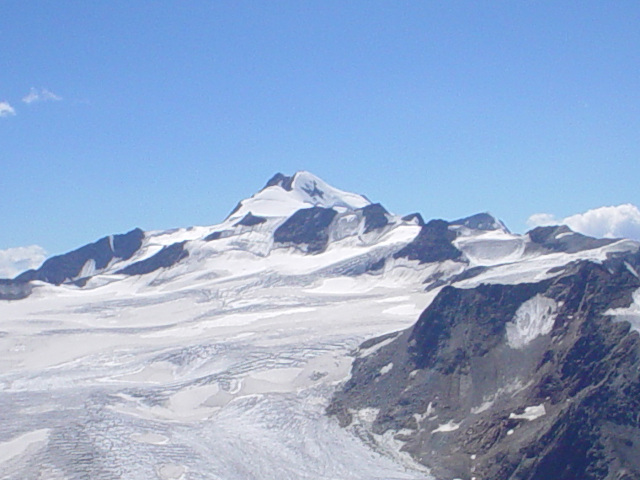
[
  {"x": 249, "y": 220},
  {"x": 533, "y": 381},
  {"x": 213, "y": 236},
  {"x": 481, "y": 221},
  {"x": 561, "y": 238},
  {"x": 433, "y": 244},
  {"x": 281, "y": 180},
  {"x": 307, "y": 227},
  {"x": 375, "y": 217},
  {"x": 69, "y": 266},
  {"x": 414, "y": 217},
  {"x": 165, "y": 258},
  {"x": 14, "y": 290}
]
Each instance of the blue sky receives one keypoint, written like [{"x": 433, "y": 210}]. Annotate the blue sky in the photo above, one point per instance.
[{"x": 164, "y": 114}]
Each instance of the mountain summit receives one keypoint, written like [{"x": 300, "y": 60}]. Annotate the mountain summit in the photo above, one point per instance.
[{"x": 283, "y": 195}]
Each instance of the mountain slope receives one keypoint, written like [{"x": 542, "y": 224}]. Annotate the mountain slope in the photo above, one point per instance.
[{"x": 527, "y": 381}]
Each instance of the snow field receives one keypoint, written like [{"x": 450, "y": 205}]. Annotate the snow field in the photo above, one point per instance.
[{"x": 214, "y": 378}]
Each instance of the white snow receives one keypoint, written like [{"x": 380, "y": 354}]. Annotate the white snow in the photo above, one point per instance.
[
  {"x": 483, "y": 407},
  {"x": 386, "y": 369},
  {"x": 629, "y": 314},
  {"x": 275, "y": 201},
  {"x": 530, "y": 413},
  {"x": 226, "y": 363},
  {"x": 365, "y": 352},
  {"x": 631, "y": 269},
  {"x": 538, "y": 267},
  {"x": 88, "y": 269},
  {"x": 367, "y": 415},
  {"x": 408, "y": 310},
  {"x": 534, "y": 318},
  {"x": 450, "y": 426},
  {"x": 22, "y": 443},
  {"x": 151, "y": 438},
  {"x": 171, "y": 471},
  {"x": 490, "y": 248}
]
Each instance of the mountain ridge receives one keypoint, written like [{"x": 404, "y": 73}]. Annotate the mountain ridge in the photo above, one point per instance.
[{"x": 282, "y": 197}]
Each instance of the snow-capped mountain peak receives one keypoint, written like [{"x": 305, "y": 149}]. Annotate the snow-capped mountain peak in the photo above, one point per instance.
[
  {"x": 322, "y": 194},
  {"x": 484, "y": 221},
  {"x": 284, "y": 195}
]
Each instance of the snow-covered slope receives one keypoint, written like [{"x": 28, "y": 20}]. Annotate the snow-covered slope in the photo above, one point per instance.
[
  {"x": 282, "y": 196},
  {"x": 212, "y": 352}
]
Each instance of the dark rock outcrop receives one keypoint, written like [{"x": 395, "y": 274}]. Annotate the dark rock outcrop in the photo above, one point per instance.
[
  {"x": 62, "y": 268},
  {"x": 529, "y": 382},
  {"x": 281, "y": 180},
  {"x": 375, "y": 217},
  {"x": 561, "y": 238},
  {"x": 213, "y": 236},
  {"x": 308, "y": 227},
  {"x": 165, "y": 258},
  {"x": 14, "y": 289},
  {"x": 249, "y": 220},
  {"x": 414, "y": 216},
  {"x": 235, "y": 209},
  {"x": 432, "y": 244},
  {"x": 480, "y": 221}
]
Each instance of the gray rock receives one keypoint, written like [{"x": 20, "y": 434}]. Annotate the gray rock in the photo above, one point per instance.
[
  {"x": 472, "y": 399},
  {"x": 307, "y": 227},
  {"x": 62, "y": 268},
  {"x": 433, "y": 244},
  {"x": 165, "y": 258}
]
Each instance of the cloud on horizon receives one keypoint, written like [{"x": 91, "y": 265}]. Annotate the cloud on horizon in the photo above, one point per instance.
[
  {"x": 6, "y": 110},
  {"x": 604, "y": 222},
  {"x": 14, "y": 261},
  {"x": 40, "y": 95}
]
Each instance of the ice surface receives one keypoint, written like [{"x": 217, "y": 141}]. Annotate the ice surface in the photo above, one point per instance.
[
  {"x": 220, "y": 368},
  {"x": 533, "y": 268},
  {"x": 533, "y": 318},
  {"x": 20, "y": 444},
  {"x": 530, "y": 413},
  {"x": 386, "y": 369},
  {"x": 307, "y": 191},
  {"x": 630, "y": 314},
  {"x": 491, "y": 248},
  {"x": 446, "y": 427}
]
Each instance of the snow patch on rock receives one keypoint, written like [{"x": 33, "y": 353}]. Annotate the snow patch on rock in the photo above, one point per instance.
[
  {"x": 629, "y": 314},
  {"x": 386, "y": 369},
  {"x": 534, "y": 318},
  {"x": 530, "y": 413},
  {"x": 450, "y": 426}
]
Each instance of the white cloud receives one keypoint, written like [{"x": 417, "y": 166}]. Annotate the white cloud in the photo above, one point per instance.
[
  {"x": 14, "y": 261},
  {"x": 40, "y": 95},
  {"x": 542, "y": 220},
  {"x": 6, "y": 110},
  {"x": 608, "y": 222}
]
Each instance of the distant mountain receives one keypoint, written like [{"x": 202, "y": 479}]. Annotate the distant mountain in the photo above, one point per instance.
[
  {"x": 522, "y": 365},
  {"x": 305, "y": 213}
]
